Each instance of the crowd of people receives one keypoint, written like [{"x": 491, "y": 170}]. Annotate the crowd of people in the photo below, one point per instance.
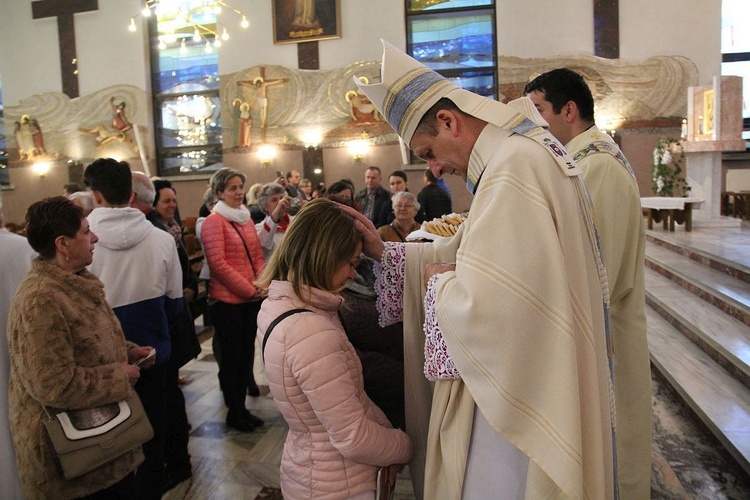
[{"x": 508, "y": 361}]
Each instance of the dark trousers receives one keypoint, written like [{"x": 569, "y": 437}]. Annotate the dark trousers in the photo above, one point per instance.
[
  {"x": 121, "y": 490},
  {"x": 151, "y": 388},
  {"x": 234, "y": 329},
  {"x": 176, "y": 454}
]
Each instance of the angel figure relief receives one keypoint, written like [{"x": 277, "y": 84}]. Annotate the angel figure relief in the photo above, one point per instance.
[
  {"x": 118, "y": 131},
  {"x": 361, "y": 109},
  {"x": 29, "y": 138}
]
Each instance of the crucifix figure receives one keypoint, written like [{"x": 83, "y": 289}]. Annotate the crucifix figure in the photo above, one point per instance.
[
  {"x": 261, "y": 83},
  {"x": 64, "y": 10}
]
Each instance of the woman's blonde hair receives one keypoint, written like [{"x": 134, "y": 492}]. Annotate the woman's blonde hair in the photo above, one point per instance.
[{"x": 320, "y": 239}]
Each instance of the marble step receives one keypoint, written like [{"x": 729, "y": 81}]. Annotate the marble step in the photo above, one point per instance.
[
  {"x": 725, "y": 339},
  {"x": 725, "y": 250},
  {"x": 717, "y": 398},
  {"x": 728, "y": 293}
]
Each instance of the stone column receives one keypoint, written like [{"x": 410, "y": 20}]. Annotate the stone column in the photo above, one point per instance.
[{"x": 704, "y": 172}]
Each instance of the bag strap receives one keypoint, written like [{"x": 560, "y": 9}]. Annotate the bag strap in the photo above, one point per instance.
[
  {"x": 273, "y": 325},
  {"x": 247, "y": 251},
  {"x": 398, "y": 233},
  {"x": 46, "y": 413}
]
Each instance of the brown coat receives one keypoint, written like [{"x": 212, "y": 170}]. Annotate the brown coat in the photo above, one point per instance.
[{"x": 66, "y": 351}]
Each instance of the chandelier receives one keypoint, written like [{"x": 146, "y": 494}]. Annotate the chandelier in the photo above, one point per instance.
[{"x": 179, "y": 21}]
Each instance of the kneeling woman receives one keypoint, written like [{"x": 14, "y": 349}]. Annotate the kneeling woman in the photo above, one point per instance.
[{"x": 337, "y": 436}]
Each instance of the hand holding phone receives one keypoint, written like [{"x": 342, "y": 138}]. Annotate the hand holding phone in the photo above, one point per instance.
[{"x": 151, "y": 355}]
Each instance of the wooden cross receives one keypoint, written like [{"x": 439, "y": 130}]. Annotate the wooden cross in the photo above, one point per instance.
[
  {"x": 606, "y": 29},
  {"x": 64, "y": 10},
  {"x": 307, "y": 55}
]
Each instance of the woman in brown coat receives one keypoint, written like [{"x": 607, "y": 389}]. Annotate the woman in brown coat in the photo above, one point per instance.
[{"x": 67, "y": 352}]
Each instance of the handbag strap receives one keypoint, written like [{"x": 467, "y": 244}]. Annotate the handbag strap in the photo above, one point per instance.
[
  {"x": 46, "y": 412},
  {"x": 398, "y": 233},
  {"x": 273, "y": 325},
  {"x": 247, "y": 251}
]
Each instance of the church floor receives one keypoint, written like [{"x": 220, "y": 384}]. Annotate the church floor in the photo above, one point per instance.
[{"x": 687, "y": 461}]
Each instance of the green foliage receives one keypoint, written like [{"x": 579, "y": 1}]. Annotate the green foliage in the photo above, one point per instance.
[{"x": 667, "y": 170}]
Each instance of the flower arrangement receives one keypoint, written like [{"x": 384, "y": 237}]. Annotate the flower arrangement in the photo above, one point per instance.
[{"x": 667, "y": 170}]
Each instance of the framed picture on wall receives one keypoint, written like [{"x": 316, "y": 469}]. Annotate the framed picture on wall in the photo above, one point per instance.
[{"x": 297, "y": 21}]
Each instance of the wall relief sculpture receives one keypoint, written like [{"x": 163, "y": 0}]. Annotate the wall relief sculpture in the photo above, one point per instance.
[
  {"x": 623, "y": 90},
  {"x": 111, "y": 122},
  {"x": 281, "y": 105}
]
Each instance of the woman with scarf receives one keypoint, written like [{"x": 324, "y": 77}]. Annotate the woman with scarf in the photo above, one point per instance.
[{"x": 236, "y": 258}]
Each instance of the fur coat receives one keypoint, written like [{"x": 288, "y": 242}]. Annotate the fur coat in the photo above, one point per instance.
[{"x": 66, "y": 351}]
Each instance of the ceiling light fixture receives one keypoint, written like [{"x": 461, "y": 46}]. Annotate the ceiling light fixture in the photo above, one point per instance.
[{"x": 178, "y": 20}]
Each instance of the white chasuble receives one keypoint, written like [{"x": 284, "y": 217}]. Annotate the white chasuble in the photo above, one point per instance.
[{"x": 523, "y": 319}]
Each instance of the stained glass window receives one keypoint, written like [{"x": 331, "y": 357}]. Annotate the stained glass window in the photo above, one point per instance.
[
  {"x": 185, "y": 82},
  {"x": 457, "y": 39}
]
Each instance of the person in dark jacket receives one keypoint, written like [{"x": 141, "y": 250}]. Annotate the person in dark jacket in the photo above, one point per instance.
[
  {"x": 380, "y": 349},
  {"x": 185, "y": 345},
  {"x": 434, "y": 201},
  {"x": 374, "y": 196}
]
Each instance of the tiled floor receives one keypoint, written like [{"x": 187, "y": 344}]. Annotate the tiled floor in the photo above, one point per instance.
[{"x": 687, "y": 461}]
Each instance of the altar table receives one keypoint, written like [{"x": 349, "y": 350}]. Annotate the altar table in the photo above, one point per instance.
[{"x": 671, "y": 209}]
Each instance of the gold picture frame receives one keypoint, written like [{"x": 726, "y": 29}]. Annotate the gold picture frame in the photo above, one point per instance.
[
  {"x": 708, "y": 112},
  {"x": 296, "y": 21}
]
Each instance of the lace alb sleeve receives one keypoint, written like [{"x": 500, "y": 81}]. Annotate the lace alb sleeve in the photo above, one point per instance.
[
  {"x": 389, "y": 284},
  {"x": 438, "y": 363}
]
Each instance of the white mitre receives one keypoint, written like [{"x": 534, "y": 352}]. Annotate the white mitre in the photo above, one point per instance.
[
  {"x": 408, "y": 89},
  {"x": 525, "y": 106}
]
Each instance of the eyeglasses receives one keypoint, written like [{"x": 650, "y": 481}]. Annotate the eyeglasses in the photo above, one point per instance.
[{"x": 403, "y": 206}]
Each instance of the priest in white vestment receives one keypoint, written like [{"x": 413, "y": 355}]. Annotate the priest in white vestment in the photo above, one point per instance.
[
  {"x": 511, "y": 312},
  {"x": 565, "y": 102}
]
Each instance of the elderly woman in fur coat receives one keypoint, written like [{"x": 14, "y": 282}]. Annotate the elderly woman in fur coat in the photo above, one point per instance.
[{"x": 67, "y": 352}]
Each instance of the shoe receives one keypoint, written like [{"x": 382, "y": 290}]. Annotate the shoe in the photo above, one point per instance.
[
  {"x": 253, "y": 390},
  {"x": 174, "y": 477},
  {"x": 256, "y": 421},
  {"x": 239, "y": 421}
]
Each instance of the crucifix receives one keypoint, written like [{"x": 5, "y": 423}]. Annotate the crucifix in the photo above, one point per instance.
[
  {"x": 64, "y": 10},
  {"x": 261, "y": 83}
]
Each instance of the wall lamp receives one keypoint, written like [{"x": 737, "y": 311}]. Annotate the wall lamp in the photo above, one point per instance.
[
  {"x": 266, "y": 153},
  {"x": 41, "y": 168},
  {"x": 359, "y": 147}
]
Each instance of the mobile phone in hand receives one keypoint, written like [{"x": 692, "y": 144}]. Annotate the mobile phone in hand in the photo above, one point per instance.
[
  {"x": 279, "y": 174},
  {"x": 148, "y": 357}
]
